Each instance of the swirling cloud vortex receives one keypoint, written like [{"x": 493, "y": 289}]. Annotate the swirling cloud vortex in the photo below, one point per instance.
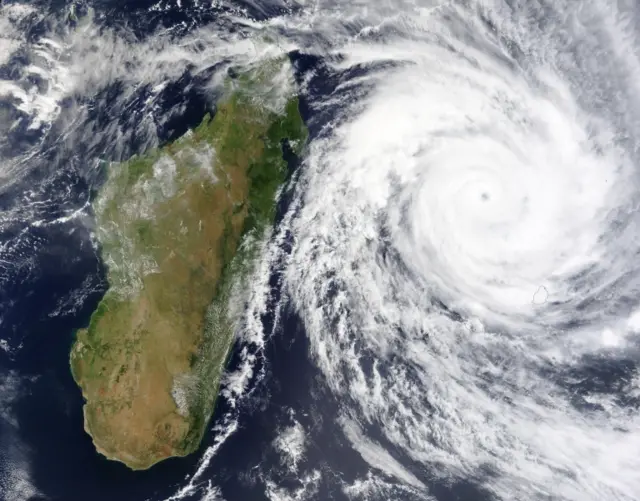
[{"x": 464, "y": 240}]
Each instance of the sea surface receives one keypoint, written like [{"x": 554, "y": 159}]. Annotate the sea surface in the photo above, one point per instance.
[{"x": 448, "y": 307}]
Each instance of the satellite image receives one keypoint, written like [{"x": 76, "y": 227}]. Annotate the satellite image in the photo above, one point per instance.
[{"x": 319, "y": 250}]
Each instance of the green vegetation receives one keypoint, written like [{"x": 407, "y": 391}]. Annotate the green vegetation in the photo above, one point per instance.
[{"x": 171, "y": 224}]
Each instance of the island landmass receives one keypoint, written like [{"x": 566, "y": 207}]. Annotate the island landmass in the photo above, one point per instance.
[{"x": 177, "y": 228}]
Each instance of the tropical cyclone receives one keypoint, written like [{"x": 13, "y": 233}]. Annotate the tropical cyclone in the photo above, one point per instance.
[
  {"x": 178, "y": 227},
  {"x": 465, "y": 242}
]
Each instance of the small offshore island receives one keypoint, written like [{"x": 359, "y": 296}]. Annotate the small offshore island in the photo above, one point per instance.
[{"x": 179, "y": 227}]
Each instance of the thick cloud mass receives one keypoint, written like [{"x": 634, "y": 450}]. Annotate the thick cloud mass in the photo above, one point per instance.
[{"x": 465, "y": 249}]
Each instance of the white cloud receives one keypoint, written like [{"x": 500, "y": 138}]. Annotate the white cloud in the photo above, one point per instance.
[
  {"x": 291, "y": 444},
  {"x": 16, "y": 483},
  {"x": 463, "y": 177}
]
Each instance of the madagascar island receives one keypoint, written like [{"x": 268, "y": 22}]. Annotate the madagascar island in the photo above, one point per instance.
[{"x": 179, "y": 228}]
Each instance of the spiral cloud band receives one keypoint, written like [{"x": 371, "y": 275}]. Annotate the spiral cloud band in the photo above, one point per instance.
[
  {"x": 460, "y": 244},
  {"x": 465, "y": 235}
]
